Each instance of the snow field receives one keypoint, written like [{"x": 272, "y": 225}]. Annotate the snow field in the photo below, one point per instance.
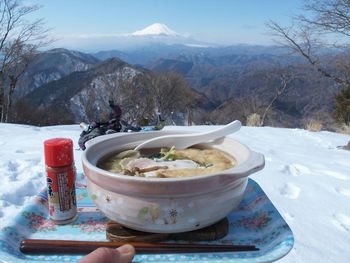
[{"x": 306, "y": 177}]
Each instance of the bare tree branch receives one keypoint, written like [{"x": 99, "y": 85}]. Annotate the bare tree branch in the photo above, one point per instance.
[
  {"x": 329, "y": 16},
  {"x": 19, "y": 41},
  {"x": 285, "y": 77},
  {"x": 325, "y": 18},
  {"x": 300, "y": 42}
]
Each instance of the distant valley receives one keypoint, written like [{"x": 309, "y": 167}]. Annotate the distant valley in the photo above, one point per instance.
[{"x": 222, "y": 77}]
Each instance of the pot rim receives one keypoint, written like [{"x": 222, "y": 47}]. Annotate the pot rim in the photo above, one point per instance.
[{"x": 253, "y": 163}]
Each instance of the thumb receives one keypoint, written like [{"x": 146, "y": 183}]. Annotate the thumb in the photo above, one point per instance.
[
  {"x": 126, "y": 253},
  {"x": 123, "y": 254}
]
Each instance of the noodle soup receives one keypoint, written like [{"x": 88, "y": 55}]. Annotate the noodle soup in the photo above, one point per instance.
[{"x": 168, "y": 163}]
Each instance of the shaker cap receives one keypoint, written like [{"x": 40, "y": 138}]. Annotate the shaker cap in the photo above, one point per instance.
[{"x": 58, "y": 152}]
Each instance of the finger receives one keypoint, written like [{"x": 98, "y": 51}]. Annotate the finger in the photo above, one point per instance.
[
  {"x": 123, "y": 254},
  {"x": 127, "y": 253}
]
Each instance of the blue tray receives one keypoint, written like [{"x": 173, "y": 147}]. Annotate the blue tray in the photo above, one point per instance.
[{"x": 256, "y": 221}]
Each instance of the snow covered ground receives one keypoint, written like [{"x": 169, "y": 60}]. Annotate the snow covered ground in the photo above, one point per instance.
[{"x": 306, "y": 176}]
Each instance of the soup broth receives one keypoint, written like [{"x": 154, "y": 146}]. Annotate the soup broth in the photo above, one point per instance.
[{"x": 168, "y": 163}]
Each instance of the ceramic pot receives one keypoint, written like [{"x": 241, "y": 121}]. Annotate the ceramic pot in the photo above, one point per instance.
[{"x": 167, "y": 205}]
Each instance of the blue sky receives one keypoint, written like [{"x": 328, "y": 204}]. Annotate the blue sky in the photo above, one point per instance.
[{"x": 221, "y": 21}]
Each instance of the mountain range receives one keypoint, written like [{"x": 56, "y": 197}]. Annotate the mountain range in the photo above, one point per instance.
[
  {"x": 222, "y": 76},
  {"x": 52, "y": 65},
  {"x": 80, "y": 91}
]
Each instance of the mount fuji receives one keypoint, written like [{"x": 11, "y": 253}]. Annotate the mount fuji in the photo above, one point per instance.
[
  {"x": 148, "y": 44},
  {"x": 156, "y": 29},
  {"x": 153, "y": 35},
  {"x": 159, "y": 33}
]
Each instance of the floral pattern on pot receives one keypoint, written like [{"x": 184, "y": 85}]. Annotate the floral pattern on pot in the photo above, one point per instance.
[
  {"x": 161, "y": 215},
  {"x": 171, "y": 213},
  {"x": 149, "y": 213}
]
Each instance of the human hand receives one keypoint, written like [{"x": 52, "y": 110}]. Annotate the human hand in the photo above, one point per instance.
[{"x": 123, "y": 254}]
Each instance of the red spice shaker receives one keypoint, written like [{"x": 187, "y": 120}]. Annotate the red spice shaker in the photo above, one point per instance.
[{"x": 60, "y": 177}]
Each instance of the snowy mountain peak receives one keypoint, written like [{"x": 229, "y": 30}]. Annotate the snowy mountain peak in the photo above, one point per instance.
[{"x": 156, "y": 29}]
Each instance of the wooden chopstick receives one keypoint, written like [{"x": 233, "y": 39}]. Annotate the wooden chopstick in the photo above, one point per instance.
[{"x": 42, "y": 246}]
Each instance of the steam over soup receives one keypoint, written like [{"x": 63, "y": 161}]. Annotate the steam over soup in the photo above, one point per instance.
[{"x": 168, "y": 163}]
